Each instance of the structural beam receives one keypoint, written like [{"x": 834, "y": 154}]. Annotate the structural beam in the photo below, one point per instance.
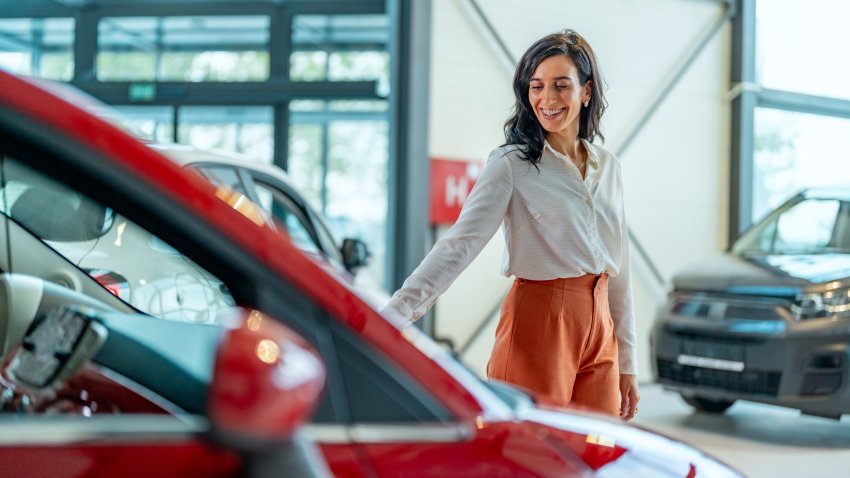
[
  {"x": 742, "y": 108},
  {"x": 230, "y": 93},
  {"x": 802, "y": 103}
]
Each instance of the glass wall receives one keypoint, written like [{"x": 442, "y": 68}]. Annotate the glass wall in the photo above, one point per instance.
[
  {"x": 800, "y": 56},
  {"x": 338, "y": 150},
  {"x": 340, "y": 48},
  {"x": 338, "y": 157},
  {"x": 38, "y": 46},
  {"x": 232, "y": 48},
  {"x": 243, "y": 129},
  {"x": 206, "y": 77},
  {"x": 151, "y": 123},
  {"x": 799, "y": 144},
  {"x": 794, "y": 151}
]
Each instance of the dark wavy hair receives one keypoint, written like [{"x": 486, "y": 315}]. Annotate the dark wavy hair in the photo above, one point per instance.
[{"x": 522, "y": 128}]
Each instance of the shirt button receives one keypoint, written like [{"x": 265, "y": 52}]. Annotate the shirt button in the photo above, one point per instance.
[{"x": 535, "y": 215}]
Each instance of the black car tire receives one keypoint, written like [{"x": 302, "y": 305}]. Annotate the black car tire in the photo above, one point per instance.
[{"x": 709, "y": 405}]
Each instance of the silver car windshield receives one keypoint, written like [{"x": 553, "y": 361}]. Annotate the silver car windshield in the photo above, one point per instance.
[{"x": 803, "y": 226}]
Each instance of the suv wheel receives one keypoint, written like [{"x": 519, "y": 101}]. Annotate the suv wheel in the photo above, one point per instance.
[{"x": 709, "y": 405}]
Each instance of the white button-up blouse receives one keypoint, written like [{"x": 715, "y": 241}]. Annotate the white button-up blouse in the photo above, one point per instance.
[{"x": 556, "y": 225}]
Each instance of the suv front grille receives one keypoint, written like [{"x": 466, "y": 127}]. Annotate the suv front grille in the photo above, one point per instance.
[
  {"x": 751, "y": 382},
  {"x": 722, "y": 307}
]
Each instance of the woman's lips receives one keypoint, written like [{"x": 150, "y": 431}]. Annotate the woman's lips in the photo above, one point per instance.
[{"x": 551, "y": 113}]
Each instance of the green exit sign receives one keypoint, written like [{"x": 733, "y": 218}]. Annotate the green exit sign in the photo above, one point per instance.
[{"x": 142, "y": 91}]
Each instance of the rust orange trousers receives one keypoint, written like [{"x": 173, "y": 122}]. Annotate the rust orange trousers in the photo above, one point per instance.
[{"x": 556, "y": 338}]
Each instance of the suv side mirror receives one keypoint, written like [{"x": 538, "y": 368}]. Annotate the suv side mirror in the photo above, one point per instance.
[
  {"x": 266, "y": 383},
  {"x": 355, "y": 254}
]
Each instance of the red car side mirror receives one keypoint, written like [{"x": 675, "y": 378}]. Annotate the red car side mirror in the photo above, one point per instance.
[{"x": 266, "y": 383}]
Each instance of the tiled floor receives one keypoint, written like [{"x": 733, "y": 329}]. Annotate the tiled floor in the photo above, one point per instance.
[{"x": 760, "y": 440}]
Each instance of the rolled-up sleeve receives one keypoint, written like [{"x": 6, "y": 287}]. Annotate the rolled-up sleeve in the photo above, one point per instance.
[{"x": 480, "y": 218}]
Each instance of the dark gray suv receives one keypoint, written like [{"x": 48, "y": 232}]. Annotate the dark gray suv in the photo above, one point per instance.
[{"x": 769, "y": 320}]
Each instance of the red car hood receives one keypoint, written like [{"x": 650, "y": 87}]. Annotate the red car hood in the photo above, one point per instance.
[{"x": 613, "y": 448}]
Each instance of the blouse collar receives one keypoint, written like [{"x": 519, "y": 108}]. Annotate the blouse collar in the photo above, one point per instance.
[{"x": 591, "y": 155}]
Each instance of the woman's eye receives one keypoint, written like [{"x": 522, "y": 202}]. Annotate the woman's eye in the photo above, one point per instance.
[
  {"x": 561, "y": 87},
  {"x": 537, "y": 87}
]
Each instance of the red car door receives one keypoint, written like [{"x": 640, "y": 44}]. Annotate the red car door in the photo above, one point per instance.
[{"x": 74, "y": 448}]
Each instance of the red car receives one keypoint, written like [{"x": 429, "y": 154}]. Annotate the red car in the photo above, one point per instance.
[{"x": 149, "y": 399}]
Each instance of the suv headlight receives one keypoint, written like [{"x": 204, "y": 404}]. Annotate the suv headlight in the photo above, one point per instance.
[{"x": 814, "y": 305}]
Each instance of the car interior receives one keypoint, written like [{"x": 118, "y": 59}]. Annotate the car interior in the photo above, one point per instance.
[{"x": 37, "y": 281}]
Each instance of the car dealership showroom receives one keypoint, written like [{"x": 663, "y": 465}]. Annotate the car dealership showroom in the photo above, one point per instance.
[{"x": 353, "y": 238}]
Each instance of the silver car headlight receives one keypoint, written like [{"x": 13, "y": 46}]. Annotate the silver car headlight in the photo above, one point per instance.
[{"x": 829, "y": 303}]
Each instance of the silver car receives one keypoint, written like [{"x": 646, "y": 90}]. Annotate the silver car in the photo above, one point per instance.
[{"x": 769, "y": 320}]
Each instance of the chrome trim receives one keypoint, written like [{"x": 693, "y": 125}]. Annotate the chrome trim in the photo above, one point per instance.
[
  {"x": 389, "y": 433},
  {"x": 73, "y": 429},
  {"x": 704, "y": 362},
  {"x": 717, "y": 309},
  {"x": 139, "y": 390},
  {"x": 410, "y": 433},
  {"x": 329, "y": 434}
]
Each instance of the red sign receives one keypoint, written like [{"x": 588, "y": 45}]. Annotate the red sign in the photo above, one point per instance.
[{"x": 451, "y": 182}]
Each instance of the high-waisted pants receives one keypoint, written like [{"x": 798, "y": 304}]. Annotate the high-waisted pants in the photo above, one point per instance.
[{"x": 556, "y": 338}]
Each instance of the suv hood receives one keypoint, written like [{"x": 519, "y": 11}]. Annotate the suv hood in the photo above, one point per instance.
[{"x": 733, "y": 273}]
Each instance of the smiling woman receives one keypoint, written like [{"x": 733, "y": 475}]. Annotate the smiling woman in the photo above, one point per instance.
[{"x": 567, "y": 326}]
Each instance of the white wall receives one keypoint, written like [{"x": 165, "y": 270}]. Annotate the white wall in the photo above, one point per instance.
[{"x": 675, "y": 172}]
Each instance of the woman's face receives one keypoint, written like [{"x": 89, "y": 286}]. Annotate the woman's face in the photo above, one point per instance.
[{"x": 556, "y": 94}]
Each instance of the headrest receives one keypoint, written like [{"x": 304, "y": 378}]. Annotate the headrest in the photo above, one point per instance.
[{"x": 50, "y": 215}]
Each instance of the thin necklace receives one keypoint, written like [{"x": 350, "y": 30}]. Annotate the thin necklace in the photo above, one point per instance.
[
  {"x": 581, "y": 165},
  {"x": 578, "y": 166}
]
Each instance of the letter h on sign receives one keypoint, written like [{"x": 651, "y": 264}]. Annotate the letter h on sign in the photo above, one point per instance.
[{"x": 451, "y": 182}]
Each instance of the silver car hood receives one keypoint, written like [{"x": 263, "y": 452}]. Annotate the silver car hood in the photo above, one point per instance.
[{"x": 780, "y": 274}]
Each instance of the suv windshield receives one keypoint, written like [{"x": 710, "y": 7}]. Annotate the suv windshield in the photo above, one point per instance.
[{"x": 800, "y": 226}]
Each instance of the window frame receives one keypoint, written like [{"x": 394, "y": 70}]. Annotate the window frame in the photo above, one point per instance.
[{"x": 747, "y": 95}]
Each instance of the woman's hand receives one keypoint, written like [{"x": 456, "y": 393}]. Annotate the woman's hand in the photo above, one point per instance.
[
  {"x": 393, "y": 315},
  {"x": 629, "y": 396}
]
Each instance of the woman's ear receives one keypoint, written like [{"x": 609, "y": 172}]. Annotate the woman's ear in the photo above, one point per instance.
[{"x": 588, "y": 92}]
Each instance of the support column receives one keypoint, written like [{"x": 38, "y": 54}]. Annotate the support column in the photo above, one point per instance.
[{"x": 407, "y": 221}]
